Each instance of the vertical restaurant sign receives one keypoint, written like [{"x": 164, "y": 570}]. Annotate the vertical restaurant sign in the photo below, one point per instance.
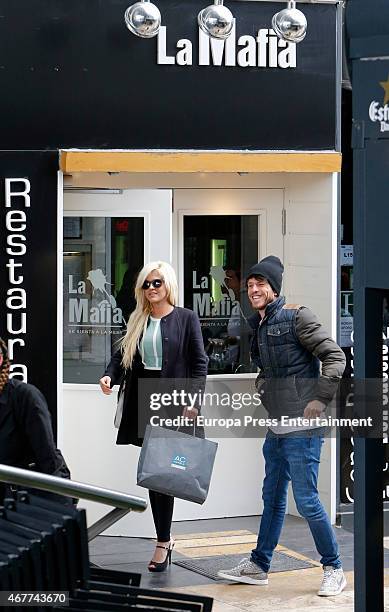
[
  {"x": 28, "y": 267},
  {"x": 347, "y": 475},
  {"x": 17, "y": 203}
]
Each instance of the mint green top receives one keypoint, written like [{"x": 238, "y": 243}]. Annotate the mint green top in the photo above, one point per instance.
[{"x": 151, "y": 345}]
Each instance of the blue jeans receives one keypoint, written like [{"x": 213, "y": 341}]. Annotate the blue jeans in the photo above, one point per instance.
[{"x": 295, "y": 459}]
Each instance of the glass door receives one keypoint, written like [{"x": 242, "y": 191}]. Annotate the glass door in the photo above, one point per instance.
[
  {"x": 218, "y": 249},
  {"x": 101, "y": 259},
  {"x": 107, "y": 238},
  {"x": 221, "y": 234}
]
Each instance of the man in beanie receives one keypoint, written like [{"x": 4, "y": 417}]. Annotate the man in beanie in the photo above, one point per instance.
[
  {"x": 288, "y": 345},
  {"x": 26, "y": 435}
]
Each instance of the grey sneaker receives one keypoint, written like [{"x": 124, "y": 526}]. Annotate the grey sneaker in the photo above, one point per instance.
[
  {"x": 246, "y": 571},
  {"x": 333, "y": 583}
]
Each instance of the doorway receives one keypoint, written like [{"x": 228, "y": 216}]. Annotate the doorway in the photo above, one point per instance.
[
  {"x": 108, "y": 235},
  {"x": 219, "y": 234}
]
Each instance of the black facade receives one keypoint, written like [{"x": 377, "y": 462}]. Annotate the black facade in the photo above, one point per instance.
[
  {"x": 368, "y": 46},
  {"x": 28, "y": 267},
  {"x": 72, "y": 76}
]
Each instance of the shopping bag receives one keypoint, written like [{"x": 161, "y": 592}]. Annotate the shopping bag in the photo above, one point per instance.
[{"x": 177, "y": 464}]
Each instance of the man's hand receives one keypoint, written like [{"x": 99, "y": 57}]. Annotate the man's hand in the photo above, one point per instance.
[
  {"x": 190, "y": 413},
  {"x": 314, "y": 409},
  {"x": 105, "y": 384}
]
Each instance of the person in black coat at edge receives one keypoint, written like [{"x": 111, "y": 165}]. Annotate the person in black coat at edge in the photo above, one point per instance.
[
  {"x": 163, "y": 341},
  {"x": 26, "y": 434}
]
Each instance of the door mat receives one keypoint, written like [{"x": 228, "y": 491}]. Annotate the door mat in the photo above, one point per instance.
[{"x": 209, "y": 566}]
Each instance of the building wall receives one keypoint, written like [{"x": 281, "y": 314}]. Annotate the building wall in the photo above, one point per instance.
[{"x": 310, "y": 278}]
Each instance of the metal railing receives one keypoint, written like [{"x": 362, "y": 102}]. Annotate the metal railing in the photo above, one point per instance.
[{"x": 70, "y": 488}]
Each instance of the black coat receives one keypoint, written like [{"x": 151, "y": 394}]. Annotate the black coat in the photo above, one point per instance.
[
  {"x": 26, "y": 435},
  {"x": 183, "y": 357}
]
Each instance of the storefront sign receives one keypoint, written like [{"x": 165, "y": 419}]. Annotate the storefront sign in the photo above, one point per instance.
[
  {"x": 371, "y": 100},
  {"x": 28, "y": 267},
  {"x": 265, "y": 50},
  {"x": 379, "y": 112},
  {"x": 180, "y": 90}
]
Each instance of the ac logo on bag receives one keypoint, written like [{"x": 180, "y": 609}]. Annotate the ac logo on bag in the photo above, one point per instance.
[{"x": 179, "y": 462}]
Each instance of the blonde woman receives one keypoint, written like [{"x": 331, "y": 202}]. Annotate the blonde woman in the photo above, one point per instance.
[{"x": 162, "y": 341}]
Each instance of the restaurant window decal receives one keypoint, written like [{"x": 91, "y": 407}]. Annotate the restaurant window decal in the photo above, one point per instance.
[
  {"x": 102, "y": 257},
  {"x": 218, "y": 250}
]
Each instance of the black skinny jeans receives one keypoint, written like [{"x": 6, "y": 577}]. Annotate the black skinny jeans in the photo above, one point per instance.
[
  {"x": 161, "y": 505},
  {"x": 162, "y": 508}
]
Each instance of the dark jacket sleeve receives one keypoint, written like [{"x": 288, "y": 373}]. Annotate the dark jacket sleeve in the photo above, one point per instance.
[
  {"x": 115, "y": 368},
  {"x": 312, "y": 335},
  {"x": 198, "y": 357},
  {"x": 33, "y": 417}
]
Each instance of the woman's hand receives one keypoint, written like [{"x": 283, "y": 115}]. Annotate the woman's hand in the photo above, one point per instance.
[
  {"x": 105, "y": 384},
  {"x": 190, "y": 413}
]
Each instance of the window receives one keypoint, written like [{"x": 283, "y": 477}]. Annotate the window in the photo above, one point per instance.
[
  {"x": 218, "y": 251},
  {"x": 102, "y": 257}
]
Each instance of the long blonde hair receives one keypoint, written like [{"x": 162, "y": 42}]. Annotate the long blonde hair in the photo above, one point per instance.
[{"x": 138, "y": 319}]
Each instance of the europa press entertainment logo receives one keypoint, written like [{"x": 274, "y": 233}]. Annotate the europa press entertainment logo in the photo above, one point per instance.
[
  {"x": 180, "y": 462},
  {"x": 378, "y": 112}
]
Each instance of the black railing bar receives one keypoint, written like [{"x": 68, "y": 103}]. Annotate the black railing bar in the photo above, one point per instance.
[{"x": 71, "y": 488}]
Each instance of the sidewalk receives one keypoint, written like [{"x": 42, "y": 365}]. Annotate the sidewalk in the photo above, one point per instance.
[{"x": 289, "y": 590}]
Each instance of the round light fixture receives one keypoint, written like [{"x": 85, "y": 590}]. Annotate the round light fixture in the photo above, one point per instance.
[
  {"x": 143, "y": 19},
  {"x": 216, "y": 20},
  {"x": 290, "y": 24}
]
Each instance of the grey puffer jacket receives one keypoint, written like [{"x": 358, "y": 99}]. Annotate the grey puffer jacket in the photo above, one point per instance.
[{"x": 288, "y": 345}]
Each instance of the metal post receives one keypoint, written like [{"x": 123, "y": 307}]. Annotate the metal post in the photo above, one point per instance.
[{"x": 369, "y": 453}]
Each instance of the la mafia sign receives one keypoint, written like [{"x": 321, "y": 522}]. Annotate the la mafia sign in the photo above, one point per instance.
[{"x": 265, "y": 50}]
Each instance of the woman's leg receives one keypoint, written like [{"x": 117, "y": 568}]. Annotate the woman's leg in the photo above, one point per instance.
[
  {"x": 162, "y": 508},
  {"x": 154, "y": 509}
]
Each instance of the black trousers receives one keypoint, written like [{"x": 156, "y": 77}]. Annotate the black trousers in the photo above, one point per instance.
[
  {"x": 161, "y": 505},
  {"x": 162, "y": 508}
]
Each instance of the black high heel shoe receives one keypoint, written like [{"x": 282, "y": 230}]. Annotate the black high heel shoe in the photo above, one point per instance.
[{"x": 160, "y": 567}]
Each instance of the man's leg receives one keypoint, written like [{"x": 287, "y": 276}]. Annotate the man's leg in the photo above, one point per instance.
[
  {"x": 303, "y": 455},
  {"x": 274, "y": 495},
  {"x": 254, "y": 570}
]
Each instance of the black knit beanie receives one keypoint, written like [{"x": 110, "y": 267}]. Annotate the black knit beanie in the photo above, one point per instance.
[{"x": 270, "y": 268}]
